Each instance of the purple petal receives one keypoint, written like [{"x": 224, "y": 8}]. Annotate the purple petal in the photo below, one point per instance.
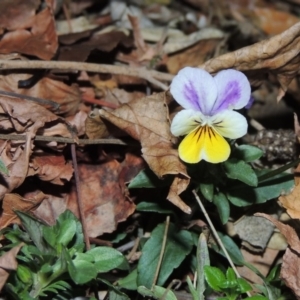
[
  {"x": 234, "y": 91},
  {"x": 194, "y": 88}
]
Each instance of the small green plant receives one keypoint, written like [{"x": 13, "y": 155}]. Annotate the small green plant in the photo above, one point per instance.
[{"x": 53, "y": 259}]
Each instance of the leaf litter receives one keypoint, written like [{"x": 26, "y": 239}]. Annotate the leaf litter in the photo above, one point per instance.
[{"x": 120, "y": 123}]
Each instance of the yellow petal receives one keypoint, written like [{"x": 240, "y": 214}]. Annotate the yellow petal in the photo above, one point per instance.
[{"x": 204, "y": 143}]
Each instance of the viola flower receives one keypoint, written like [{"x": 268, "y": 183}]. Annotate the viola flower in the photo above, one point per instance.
[{"x": 208, "y": 117}]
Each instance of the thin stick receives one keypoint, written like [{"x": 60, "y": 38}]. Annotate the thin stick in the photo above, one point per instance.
[
  {"x": 30, "y": 98},
  {"x": 20, "y": 137},
  {"x": 212, "y": 227},
  {"x": 79, "y": 198},
  {"x": 162, "y": 251},
  {"x": 150, "y": 75}
]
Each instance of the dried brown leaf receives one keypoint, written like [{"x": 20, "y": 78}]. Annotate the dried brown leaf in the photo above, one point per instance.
[
  {"x": 277, "y": 56},
  {"x": 8, "y": 263},
  {"x": 288, "y": 232},
  {"x": 146, "y": 120},
  {"x": 27, "y": 32},
  {"x": 12, "y": 202},
  {"x": 68, "y": 97},
  {"x": 290, "y": 271},
  {"x": 17, "y": 169},
  {"x": 291, "y": 202},
  {"x": 51, "y": 168}
]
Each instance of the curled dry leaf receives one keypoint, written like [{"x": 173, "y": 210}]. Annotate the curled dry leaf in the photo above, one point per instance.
[
  {"x": 51, "y": 168},
  {"x": 290, "y": 266},
  {"x": 26, "y": 32},
  {"x": 104, "y": 195},
  {"x": 17, "y": 169},
  {"x": 146, "y": 120},
  {"x": 291, "y": 202},
  {"x": 277, "y": 56},
  {"x": 68, "y": 97},
  {"x": 288, "y": 231},
  {"x": 8, "y": 263},
  {"x": 12, "y": 202}
]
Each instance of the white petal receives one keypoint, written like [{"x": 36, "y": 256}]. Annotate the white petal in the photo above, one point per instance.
[
  {"x": 185, "y": 122},
  {"x": 230, "y": 124},
  {"x": 234, "y": 91},
  {"x": 194, "y": 88}
]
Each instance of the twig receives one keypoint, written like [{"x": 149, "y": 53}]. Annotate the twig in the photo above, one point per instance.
[
  {"x": 133, "y": 250},
  {"x": 212, "y": 227},
  {"x": 150, "y": 75},
  {"x": 79, "y": 198},
  {"x": 162, "y": 251},
  {"x": 20, "y": 137},
  {"x": 35, "y": 99}
]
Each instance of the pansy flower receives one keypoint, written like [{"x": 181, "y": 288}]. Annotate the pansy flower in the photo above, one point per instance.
[{"x": 208, "y": 117}]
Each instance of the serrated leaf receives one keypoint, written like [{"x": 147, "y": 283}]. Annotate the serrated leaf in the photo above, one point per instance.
[
  {"x": 178, "y": 245},
  {"x": 3, "y": 168},
  {"x": 222, "y": 204},
  {"x": 240, "y": 170},
  {"x": 152, "y": 207},
  {"x": 214, "y": 277},
  {"x": 243, "y": 195},
  {"x": 35, "y": 230},
  {"x": 107, "y": 259},
  {"x": 158, "y": 292},
  {"x": 248, "y": 153}
]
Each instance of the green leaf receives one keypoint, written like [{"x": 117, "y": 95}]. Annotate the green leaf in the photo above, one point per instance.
[
  {"x": 82, "y": 271},
  {"x": 35, "y": 230},
  {"x": 202, "y": 260},
  {"x": 239, "y": 170},
  {"x": 67, "y": 230},
  {"x": 207, "y": 190},
  {"x": 243, "y": 195},
  {"x": 158, "y": 292},
  {"x": 178, "y": 245},
  {"x": 214, "y": 277},
  {"x": 147, "y": 179},
  {"x": 107, "y": 259},
  {"x": 233, "y": 250},
  {"x": 256, "y": 297},
  {"x": 3, "y": 168},
  {"x": 68, "y": 216},
  {"x": 222, "y": 204},
  {"x": 247, "y": 153},
  {"x": 244, "y": 286},
  {"x": 117, "y": 295},
  {"x": 230, "y": 275},
  {"x": 193, "y": 291},
  {"x": 130, "y": 281},
  {"x": 153, "y": 207}
]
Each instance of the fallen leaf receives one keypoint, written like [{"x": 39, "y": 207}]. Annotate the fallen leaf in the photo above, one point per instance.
[
  {"x": 17, "y": 169},
  {"x": 26, "y": 32},
  {"x": 106, "y": 201},
  {"x": 146, "y": 120},
  {"x": 12, "y": 202},
  {"x": 68, "y": 97},
  {"x": 277, "y": 56},
  {"x": 291, "y": 202},
  {"x": 290, "y": 265},
  {"x": 290, "y": 271},
  {"x": 8, "y": 263},
  {"x": 288, "y": 232},
  {"x": 51, "y": 168}
]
